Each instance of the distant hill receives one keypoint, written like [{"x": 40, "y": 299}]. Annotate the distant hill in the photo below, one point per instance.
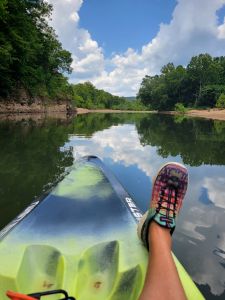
[{"x": 132, "y": 98}]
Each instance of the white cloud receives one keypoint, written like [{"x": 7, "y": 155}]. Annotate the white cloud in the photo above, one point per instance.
[
  {"x": 215, "y": 188},
  {"x": 221, "y": 30},
  {"x": 75, "y": 17},
  {"x": 193, "y": 29},
  {"x": 88, "y": 59}
]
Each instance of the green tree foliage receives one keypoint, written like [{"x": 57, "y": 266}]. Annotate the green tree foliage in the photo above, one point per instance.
[
  {"x": 199, "y": 84},
  {"x": 210, "y": 94},
  {"x": 221, "y": 101},
  {"x": 87, "y": 96},
  {"x": 31, "y": 57},
  {"x": 161, "y": 92},
  {"x": 202, "y": 70}
]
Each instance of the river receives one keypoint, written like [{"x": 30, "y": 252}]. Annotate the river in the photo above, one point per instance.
[{"x": 36, "y": 153}]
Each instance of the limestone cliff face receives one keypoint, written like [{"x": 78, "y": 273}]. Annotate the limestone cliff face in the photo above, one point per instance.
[
  {"x": 35, "y": 107},
  {"x": 21, "y": 102}
]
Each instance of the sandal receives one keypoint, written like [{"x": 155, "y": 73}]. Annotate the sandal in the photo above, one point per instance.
[{"x": 168, "y": 192}]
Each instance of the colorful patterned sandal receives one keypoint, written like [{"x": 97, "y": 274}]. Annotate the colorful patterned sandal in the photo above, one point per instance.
[{"x": 168, "y": 192}]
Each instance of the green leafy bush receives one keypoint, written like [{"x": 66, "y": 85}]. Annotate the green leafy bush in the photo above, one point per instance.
[
  {"x": 220, "y": 103},
  {"x": 179, "y": 107}
]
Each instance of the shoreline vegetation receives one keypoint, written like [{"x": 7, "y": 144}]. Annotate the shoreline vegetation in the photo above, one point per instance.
[{"x": 200, "y": 85}]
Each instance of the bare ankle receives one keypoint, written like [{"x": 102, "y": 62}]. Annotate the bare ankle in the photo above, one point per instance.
[{"x": 158, "y": 235}]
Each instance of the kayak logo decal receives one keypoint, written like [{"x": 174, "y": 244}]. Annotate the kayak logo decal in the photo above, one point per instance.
[{"x": 133, "y": 208}]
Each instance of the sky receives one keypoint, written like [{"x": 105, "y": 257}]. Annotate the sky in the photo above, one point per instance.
[{"x": 115, "y": 43}]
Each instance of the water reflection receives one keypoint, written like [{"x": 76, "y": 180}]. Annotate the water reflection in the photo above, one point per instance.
[
  {"x": 197, "y": 141},
  {"x": 134, "y": 146},
  {"x": 31, "y": 161},
  {"x": 201, "y": 230},
  {"x": 135, "y": 151}
]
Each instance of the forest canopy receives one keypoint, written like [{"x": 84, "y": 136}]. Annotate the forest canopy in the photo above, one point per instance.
[
  {"x": 31, "y": 57},
  {"x": 88, "y": 96},
  {"x": 200, "y": 84}
]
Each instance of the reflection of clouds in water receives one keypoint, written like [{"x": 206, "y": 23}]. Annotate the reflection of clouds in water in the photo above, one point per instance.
[
  {"x": 201, "y": 222},
  {"x": 201, "y": 229},
  {"x": 199, "y": 251},
  {"x": 121, "y": 143},
  {"x": 216, "y": 190},
  {"x": 189, "y": 229},
  {"x": 209, "y": 262}
]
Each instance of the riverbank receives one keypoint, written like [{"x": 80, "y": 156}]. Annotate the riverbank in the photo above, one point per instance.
[
  {"x": 214, "y": 114},
  {"x": 81, "y": 111},
  {"x": 13, "y": 108}
]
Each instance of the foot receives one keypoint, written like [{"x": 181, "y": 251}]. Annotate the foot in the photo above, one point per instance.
[{"x": 168, "y": 192}]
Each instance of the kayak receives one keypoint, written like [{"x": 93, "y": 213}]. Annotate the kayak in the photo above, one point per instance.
[{"x": 79, "y": 237}]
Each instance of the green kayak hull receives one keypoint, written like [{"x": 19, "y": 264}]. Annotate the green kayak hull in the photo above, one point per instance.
[{"x": 80, "y": 237}]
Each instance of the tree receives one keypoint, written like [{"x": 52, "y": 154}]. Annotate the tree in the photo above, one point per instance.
[
  {"x": 210, "y": 94},
  {"x": 174, "y": 80},
  {"x": 202, "y": 70},
  {"x": 31, "y": 57},
  {"x": 167, "y": 68},
  {"x": 200, "y": 84},
  {"x": 220, "y": 62},
  {"x": 145, "y": 91},
  {"x": 161, "y": 92}
]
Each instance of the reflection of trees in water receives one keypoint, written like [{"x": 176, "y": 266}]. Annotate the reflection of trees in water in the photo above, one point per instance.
[
  {"x": 219, "y": 126},
  {"x": 196, "y": 141},
  {"x": 31, "y": 161},
  {"x": 88, "y": 124}
]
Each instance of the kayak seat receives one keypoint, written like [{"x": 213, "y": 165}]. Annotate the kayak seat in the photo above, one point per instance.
[{"x": 96, "y": 274}]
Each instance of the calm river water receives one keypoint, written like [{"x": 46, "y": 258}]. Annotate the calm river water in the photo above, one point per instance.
[{"x": 35, "y": 154}]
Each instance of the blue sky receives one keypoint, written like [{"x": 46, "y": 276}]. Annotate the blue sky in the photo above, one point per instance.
[
  {"x": 115, "y": 43},
  {"x": 120, "y": 24}
]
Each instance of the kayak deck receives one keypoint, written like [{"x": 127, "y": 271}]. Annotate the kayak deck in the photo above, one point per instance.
[{"x": 81, "y": 238}]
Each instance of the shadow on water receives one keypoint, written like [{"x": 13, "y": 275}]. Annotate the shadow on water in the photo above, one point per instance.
[{"x": 34, "y": 157}]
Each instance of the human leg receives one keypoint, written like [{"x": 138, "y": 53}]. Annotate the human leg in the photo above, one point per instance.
[
  {"x": 155, "y": 230},
  {"x": 162, "y": 280}
]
